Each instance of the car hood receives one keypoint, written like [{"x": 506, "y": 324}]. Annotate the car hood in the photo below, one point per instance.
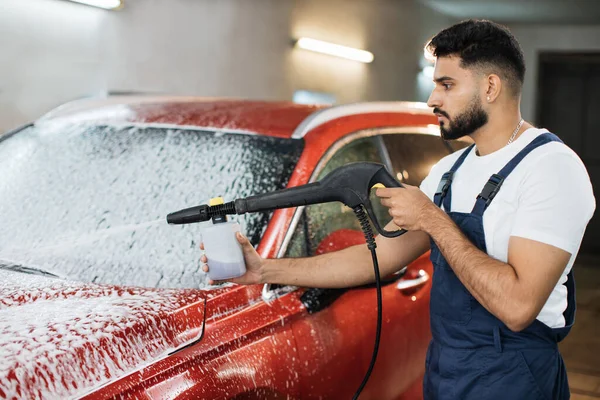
[{"x": 62, "y": 339}]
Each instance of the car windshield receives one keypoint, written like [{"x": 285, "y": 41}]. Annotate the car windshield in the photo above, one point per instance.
[{"x": 89, "y": 203}]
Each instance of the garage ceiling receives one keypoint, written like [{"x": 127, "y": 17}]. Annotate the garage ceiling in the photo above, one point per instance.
[{"x": 521, "y": 11}]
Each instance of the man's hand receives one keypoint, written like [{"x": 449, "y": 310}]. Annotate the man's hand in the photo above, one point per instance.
[
  {"x": 254, "y": 264},
  {"x": 409, "y": 207}
]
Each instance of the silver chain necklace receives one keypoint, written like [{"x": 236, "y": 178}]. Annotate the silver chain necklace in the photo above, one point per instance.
[{"x": 512, "y": 137}]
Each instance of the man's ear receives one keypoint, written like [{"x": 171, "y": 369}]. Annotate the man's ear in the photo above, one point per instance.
[{"x": 493, "y": 86}]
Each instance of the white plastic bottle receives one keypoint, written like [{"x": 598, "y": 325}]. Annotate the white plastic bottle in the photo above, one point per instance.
[{"x": 224, "y": 252}]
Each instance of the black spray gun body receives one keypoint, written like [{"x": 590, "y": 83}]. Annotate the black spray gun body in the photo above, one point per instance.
[{"x": 350, "y": 184}]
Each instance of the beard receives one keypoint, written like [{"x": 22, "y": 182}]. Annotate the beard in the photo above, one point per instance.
[{"x": 465, "y": 123}]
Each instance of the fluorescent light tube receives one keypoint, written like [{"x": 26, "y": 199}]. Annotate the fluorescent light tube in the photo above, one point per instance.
[
  {"x": 335, "y": 50},
  {"x": 106, "y": 4}
]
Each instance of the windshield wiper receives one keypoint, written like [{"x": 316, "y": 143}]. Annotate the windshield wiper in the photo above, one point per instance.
[{"x": 26, "y": 270}]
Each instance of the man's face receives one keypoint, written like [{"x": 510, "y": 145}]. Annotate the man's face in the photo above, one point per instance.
[{"x": 456, "y": 100}]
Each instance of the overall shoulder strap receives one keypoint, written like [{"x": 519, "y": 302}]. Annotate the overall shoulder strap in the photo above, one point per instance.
[
  {"x": 443, "y": 191},
  {"x": 494, "y": 184}
]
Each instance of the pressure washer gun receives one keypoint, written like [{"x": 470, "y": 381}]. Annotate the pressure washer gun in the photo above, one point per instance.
[{"x": 350, "y": 184}]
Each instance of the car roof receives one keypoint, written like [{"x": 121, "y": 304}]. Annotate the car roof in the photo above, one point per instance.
[{"x": 270, "y": 118}]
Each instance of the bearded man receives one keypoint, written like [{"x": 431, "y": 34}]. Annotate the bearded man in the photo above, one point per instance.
[{"x": 503, "y": 218}]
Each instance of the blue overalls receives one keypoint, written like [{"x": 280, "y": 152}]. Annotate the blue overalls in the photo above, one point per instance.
[{"x": 473, "y": 355}]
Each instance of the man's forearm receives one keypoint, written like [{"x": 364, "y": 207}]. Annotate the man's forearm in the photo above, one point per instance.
[
  {"x": 345, "y": 268},
  {"x": 493, "y": 283}
]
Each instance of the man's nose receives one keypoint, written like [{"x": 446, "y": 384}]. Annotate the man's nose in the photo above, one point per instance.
[{"x": 434, "y": 100}]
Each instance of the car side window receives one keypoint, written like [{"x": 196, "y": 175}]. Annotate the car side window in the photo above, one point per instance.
[
  {"x": 319, "y": 220},
  {"x": 413, "y": 155},
  {"x": 298, "y": 246}
]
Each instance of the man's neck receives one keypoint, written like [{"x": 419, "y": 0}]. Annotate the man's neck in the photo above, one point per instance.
[{"x": 496, "y": 133}]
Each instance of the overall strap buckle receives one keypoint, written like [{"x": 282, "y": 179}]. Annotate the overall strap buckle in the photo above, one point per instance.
[
  {"x": 491, "y": 188},
  {"x": 444, "y": 184}
]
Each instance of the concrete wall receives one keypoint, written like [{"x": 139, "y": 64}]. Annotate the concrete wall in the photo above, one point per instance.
[
  {"x": 555, "y": 38},
  {"x": 54, "y": 50}
]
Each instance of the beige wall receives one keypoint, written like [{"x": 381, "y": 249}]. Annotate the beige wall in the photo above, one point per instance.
[
  {"x": 54, "y": 51},
  {"x": 536, "y": 39}
]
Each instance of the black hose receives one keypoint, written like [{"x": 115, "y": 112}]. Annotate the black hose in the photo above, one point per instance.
[{"x": 366, "y": 227}]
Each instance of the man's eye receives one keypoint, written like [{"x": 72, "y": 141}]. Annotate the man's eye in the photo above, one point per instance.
[{"x": 446, "y": 85}]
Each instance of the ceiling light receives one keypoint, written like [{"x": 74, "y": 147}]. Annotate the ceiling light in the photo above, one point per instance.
[
  {"x": 335, "y": 50},
  {"x": 106, "y": 4}
]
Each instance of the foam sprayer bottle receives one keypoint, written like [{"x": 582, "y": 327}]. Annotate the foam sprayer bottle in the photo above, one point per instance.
[{"x": 222, "y": 248}]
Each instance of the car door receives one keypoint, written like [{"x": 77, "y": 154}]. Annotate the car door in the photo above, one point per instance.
[{"x": 335, "y": 342}]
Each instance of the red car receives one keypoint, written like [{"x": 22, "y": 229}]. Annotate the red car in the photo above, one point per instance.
[{"x": 101, "y": 299}]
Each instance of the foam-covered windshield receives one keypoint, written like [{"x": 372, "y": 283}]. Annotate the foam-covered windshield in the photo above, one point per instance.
[{"x": 90, "y": 202}]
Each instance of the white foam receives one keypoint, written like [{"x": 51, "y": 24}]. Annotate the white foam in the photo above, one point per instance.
[
  {"x": 75, "y": 197},
  {"x": 61, "y": 339}
]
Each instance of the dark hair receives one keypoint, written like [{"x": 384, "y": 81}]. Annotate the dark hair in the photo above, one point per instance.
[{"x": 482, "y": 44}]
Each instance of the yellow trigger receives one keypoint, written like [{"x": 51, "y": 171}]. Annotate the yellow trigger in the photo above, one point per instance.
[
  {"x": 377, "y": 186},
  {"x": 215, "y": 201}
]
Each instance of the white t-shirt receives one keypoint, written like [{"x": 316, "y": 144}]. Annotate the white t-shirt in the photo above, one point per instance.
[{"x": 548, "y": 197}]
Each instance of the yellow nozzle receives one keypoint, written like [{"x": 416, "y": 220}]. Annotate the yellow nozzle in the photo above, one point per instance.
[
  {"x": 378, "y": 185},
  {"x": 215, "y": 201}
]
